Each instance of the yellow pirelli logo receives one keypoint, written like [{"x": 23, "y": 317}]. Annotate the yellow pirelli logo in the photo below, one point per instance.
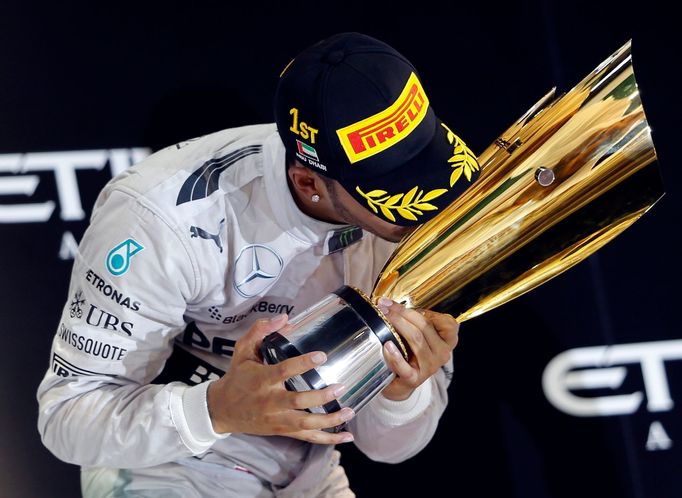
[{"x": 388, "y": 127}]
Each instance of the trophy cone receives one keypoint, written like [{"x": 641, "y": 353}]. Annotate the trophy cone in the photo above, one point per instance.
[{"x": 561, "y": 182}]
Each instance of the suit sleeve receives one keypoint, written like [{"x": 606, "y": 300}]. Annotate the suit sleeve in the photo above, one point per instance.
[
  {"x": 130, "y": 283},
  {"x": 393, "y": 431}
]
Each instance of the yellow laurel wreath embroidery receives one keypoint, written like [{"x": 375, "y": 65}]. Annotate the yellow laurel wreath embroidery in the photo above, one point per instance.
[
  {"x": 463, "y": 160},
  {"x": 406, "y": 205}
]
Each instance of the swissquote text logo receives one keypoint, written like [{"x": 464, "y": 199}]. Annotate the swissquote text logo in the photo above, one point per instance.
[
  {"x": 605, "y": 367},
  {"x": 118, "y": 259},
  {"x": 256, "y": 268}
]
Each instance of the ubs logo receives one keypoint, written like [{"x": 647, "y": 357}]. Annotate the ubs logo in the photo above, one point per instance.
[
  {"x": 257, "y": 267},
  {"x": 98, "y": 317}
]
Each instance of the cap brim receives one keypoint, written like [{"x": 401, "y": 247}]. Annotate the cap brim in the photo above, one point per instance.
[{"x": 421, "y": 188}]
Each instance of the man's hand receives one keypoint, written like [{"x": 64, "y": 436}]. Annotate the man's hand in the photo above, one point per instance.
[
  {"x": 251, "y": 397},
  {"x": 431, "y": 336}
]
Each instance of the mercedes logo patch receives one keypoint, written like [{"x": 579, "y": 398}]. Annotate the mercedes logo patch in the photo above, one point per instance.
[{"x": 256, "y": 268}]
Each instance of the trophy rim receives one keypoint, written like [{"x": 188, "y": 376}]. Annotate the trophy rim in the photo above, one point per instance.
[{"x": 396, "y": 337}]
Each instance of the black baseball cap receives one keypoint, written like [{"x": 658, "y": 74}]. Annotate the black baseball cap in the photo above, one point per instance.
[{"x": 353, "y": 109}]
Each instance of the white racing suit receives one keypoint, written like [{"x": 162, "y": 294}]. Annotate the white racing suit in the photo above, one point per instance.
[{"x": 184, "y": 252}]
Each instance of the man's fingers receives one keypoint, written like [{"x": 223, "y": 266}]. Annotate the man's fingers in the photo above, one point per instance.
[
  {"x": 446, "y": 326},
  {"x": 322, "y": 437},
  {"x": 297, "y": 365},
  {"x": 396, "y": 362},
  {"x": 409, "y": 331},
  {"x": 421, "y": 319},
  {"x": 247, "y": 346},
  {"x": 315, "y": 421},
  {"x": 435, "y": 328},
  {"x": 312, "y": 398},
  {"x": 410, "y": 324}
]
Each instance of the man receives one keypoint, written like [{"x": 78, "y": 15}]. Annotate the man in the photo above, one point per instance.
[{"x": 193, "y": 256}]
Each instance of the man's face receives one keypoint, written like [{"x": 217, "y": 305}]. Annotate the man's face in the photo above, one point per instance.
[{"x": 352, "y": 212}]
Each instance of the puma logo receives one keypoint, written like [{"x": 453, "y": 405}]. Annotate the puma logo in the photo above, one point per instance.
[{"x": 200, "y": 232}]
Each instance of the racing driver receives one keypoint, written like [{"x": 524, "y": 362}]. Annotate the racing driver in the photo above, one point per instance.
[{"x": 155, "y": 385}]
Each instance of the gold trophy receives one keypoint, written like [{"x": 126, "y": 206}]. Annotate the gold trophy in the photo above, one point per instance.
[{"x": 566, "y": 178}]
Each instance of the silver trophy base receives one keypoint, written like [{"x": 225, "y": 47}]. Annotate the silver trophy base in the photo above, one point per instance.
[{"x": 351, "y": 332}]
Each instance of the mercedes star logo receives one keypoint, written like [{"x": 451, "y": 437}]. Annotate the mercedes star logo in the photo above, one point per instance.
[{"x": 256, "y": 268}]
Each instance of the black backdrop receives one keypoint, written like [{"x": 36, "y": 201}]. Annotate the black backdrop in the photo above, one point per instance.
[{"x": 114, "y": 81}]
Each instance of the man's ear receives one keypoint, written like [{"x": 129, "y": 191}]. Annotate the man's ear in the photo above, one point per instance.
[{"x": 305, "y": 181}]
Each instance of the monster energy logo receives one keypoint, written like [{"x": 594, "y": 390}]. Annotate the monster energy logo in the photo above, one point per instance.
[{"x": 340, "y": 239}]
